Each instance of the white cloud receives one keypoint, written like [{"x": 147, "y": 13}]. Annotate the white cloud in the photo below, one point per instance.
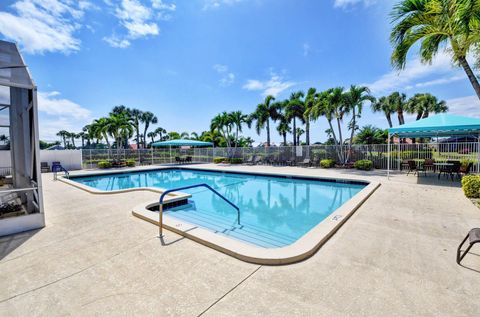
[
  {"x": 44, "y": 25},
  {"x": 306, "y": 49},
  {"x": 213, "y": 4},
  {"x": 348, "y": 3},
  {"x": 51, "y": 104},
  {"x": 414, "y": 72},
  {"x": 465, "y": 106},
  {"x": 139, "y": 20},
  {"x": 227, "y": 78},
  {"x": 273, "y": 86}
]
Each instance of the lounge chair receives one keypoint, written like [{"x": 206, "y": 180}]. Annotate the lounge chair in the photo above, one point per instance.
[
  {"x": 413, "y": 167},
  {"x": 473, "y": 237},
  {"x": 250, "y": 160},
  {"x": 305, "y": 163},
  {"x": 44, "y": 167}
]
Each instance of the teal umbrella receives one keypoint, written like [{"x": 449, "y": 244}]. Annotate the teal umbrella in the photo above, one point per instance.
[{"x": 182, "y": 142}]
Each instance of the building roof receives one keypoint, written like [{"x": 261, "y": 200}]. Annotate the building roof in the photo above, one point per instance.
[
  {"x": 182, "y": 142},
  {"x": 13, "y": 71},
  {"x": 438, "y": 125}
]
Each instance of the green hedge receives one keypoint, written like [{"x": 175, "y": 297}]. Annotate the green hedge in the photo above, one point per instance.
[
  {"x": 235, "y": 160},
  {"x": 471, "y": 186},
  {"x": 104, "y": 164},
  {"x": 218, "y": 160},
  {"x": 131, "y": 163},
  {"x": 327, "y": 163},
  {"x": 364, "y": 165}
]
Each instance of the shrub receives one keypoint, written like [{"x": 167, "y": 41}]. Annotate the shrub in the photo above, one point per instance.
[
  {"x": 235, "y": 160},
  {"x": 327, "y": 163},
  {"x": 104, "y": 164},
  {"x": 471, "y": 186},
  {"x": 218, "y": 160},
  {"x": 131, "y": 163},
  {"x": 364, "y": 165}
]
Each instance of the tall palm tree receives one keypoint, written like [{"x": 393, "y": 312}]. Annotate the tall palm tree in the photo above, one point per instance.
[
  {"x": 284, "y": 128},
  {"x": 184, "y": 135},
  {"x": 120, "y": 127},
  {"x": 152, "y": 136},
  {"x": 73, "y": 136},
  {"x": 265, "y": 112},
  {"x": 63, "y": 134},
  {"x": 238, "y": 119},
  {"x": 194, "y": 136},
  {"x": 436, "y": 23},
  {"x": 147, "y": 118},
  {"x": 100, "y": 127},
  {"x": 299, "y": 133},
  {"x": 136, "y": 116},
  {"x": 222, "y": 124},
  {"x": 424, "y": 104},
  {"x": 382, "y": 105},
  {"x": 310, "y": 101},
  {"x": 398, "y": 102},
  {"x": 160, "y": 132},
  {"x": 294, "y": 110},
  {"x": 353, "y": 102}
]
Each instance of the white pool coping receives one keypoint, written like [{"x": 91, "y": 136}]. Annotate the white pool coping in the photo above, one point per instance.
[{"x": 300, "y": 250}]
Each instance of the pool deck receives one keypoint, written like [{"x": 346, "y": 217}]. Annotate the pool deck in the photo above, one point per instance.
[{"x": 394, "y": 257}]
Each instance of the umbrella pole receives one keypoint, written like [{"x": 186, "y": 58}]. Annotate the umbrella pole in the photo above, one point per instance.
[{"x": 388, "y": 161}]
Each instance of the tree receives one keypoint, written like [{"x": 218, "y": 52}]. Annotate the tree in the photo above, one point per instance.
[
  {"x": 152, "y": 135},
  {"x": 63, "y": 134},
  {"x": 136, "y": 116},
  {"x": 435, "y": 24},
  {"x": 310, "y": 101},
  {"x": 295, "y": 108},
  {"x": 222, "y": 124},
  {"x": 238, "y": 119},
  {"x": 147, "y": 118},
  {"x": 120, "y": 127},
  {"x": 82, "y": 136},
  {"x": 194, "y": 136},
  {"x": 371, "y": 135},
  {"x": 353, "y": 102},
  {"x": 73, "y": 136},
  {"x": 383, "y": 105},
  {"x": 265, "y": 112},
  {"x": 398, "y": 103},
  {"x": 299, "y": 132},
  {"x": 160, "y": 132},
  {"x": 424, "y": 104},
  {"x": 100, "y": 128},
  {"x": 174, "y": 135},
  {"x": 283, "y": 128}
]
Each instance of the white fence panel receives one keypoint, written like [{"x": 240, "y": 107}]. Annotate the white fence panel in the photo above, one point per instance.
[{"x": 70, "y": 159}]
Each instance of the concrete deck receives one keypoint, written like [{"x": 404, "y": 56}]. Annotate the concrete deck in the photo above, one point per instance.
[{"x": 394, "y": 257}]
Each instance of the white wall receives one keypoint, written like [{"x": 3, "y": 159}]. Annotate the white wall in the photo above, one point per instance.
[{"x": 70, "y": 159}]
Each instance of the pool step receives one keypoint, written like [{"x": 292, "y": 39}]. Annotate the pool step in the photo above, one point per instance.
[{"x": 229, "y": 227}]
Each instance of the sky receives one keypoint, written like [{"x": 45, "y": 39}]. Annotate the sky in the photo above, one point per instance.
[{"x": 188, "y": 60}]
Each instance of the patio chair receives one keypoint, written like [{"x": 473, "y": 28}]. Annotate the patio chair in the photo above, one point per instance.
[
  {"x": 44, "y": 167},
  {"x": 413, "y": 167},
  {"x": 429, "y": 164},
  {"x": 56, "y": 166},
  {"x": 257, "y": 160},
  {"x": 305, "y": 163},
  {"x": 473, "y": 237},
  {"x": 465, "y": 170},
  {"x": 451, "y": 170},
  {"x": 250, "y": 160},
  {"x": 188, "y": 159}
]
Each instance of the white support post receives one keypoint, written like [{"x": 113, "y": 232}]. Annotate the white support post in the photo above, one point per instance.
[
  {"x": 388, "y": 162},
  {"x": 478, "y": 154}
]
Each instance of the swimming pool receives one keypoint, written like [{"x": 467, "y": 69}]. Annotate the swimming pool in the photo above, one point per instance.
[{"x": 275, "y": 210}]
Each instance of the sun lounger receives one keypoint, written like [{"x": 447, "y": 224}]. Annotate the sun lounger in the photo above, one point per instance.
[
  {"x": 305, "y": 163},
  {"x": 250, "y": 160},
  {"x": 473, "y": 237}
]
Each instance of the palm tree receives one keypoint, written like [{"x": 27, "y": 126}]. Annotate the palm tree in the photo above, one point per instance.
[
  {"x": 147, "y": 118},
  {"x": 63, "y": 134},
  {"x": 100, "y": 128},
  {"x": 194, "y": 136},
  {"x": 353, "y": 102},
  {"x": 371, "y": 135},
  {"x": 136, "y": 116},
  {"x": 82, "y": 135},
  {"x": 398, "y": 102},
  {"x": 73, "y": 136},
  {"x": 160, "y": 132},
  {"x": 299, "y": 132},
  {"x": 184, "y": 135},
  {"x": 436, "y": 23},
  {"x": 152, "y": 136},
  {"x": 383, "y": 105},
  {"x": 424, "y": 104},
  {"x": 295, "y": 108},
  {"x": 222, "y": 123},
  {"x": 310, "y": 101},
  {"x": 120, "y": 127},
  {"x": 238, "y": 119},
  {"x": 283, "y": 128},
  {"x": 265, "y": 112}
]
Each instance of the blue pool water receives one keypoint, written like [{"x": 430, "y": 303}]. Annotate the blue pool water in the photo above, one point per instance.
[{"x": 275, "y": 211}]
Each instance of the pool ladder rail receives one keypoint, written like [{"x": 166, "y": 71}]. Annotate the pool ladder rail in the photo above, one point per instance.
[
  {"x": 165, "y": 193},
  {"x": 59, "y": 168}
]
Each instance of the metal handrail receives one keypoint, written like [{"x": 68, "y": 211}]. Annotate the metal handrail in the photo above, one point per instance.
[
  {"x": 160, "y": 208},
  {"x": 56, "y": 168}
]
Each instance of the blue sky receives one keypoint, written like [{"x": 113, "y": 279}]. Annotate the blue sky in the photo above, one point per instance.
[{"x": 187, "y": 60}]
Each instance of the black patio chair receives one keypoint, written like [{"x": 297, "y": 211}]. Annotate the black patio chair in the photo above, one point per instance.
[
  {"x": 416, "y": 169},
  {"x": 473, "y": 237},
  {"x": 451, "y": 170}
]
